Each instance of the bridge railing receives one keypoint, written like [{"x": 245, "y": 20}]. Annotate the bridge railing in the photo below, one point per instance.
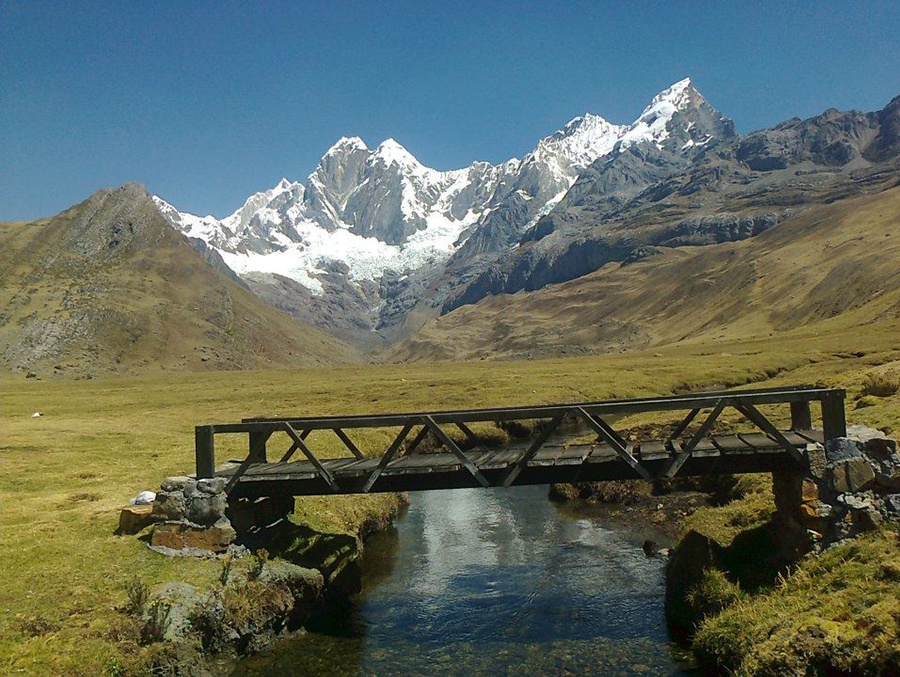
[{"x": 298, "y": 428}]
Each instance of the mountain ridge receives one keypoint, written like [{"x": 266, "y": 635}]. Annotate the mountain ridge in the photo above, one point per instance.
[{"x": 396, "y": 225}]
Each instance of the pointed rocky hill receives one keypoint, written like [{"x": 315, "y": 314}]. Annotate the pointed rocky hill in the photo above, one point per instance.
[{"x": 108, "y": 286}]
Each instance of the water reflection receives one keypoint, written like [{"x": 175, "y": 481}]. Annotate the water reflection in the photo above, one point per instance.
[{"x": 493, "y": 581}]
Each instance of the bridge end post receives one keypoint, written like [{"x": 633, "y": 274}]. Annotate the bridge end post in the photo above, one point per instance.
[
  {"x": 834, "y": 421},
  {"x": 204, "y": 449},
  {"x": 257, "y": 450},
  {"x": 801, "y": 417}
]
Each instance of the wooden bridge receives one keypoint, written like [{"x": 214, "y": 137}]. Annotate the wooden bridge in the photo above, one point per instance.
[{"x": 690, "y": 449}]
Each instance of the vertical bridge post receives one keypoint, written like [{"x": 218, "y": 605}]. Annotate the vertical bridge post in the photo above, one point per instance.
[
  {"x": 834, "y": 423},
  {"x": 205, "y": 451},
  {"x": 801, "y": 417},
  {"x": 257, "y": 450}
]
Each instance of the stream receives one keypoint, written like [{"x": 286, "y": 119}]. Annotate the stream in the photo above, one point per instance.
[{"x": 493, "y": 582}]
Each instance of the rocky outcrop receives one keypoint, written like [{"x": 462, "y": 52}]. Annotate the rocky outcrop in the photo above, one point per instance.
[
  {"x": 255, "y": 601},
  {"x": 852, "y": 486},
  {"x": 191, "y": 517}
]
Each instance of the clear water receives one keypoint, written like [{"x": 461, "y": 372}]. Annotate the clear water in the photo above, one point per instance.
[{"x": 493, "y": 582}]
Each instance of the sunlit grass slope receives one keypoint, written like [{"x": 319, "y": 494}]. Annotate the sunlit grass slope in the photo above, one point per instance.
[{"x": 108, "y": 286}]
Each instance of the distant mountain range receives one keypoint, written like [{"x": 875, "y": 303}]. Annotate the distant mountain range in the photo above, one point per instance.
[
  {"x": 374, "y": 234},
  {"x": 605, "y": 237}
]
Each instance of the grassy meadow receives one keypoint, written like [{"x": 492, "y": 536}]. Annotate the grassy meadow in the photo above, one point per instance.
[{"x": 63, "y": 476}]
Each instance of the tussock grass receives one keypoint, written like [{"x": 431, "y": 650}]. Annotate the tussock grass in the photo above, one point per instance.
[{"x": 881, "y": 384}]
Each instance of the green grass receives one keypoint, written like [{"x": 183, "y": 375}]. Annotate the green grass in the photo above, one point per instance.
[
  {"x": 838, "y": 614},
  {"x": 65, "y": 475}
]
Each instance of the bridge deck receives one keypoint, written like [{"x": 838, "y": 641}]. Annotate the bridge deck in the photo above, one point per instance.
[{"x": 553, "y": 462}]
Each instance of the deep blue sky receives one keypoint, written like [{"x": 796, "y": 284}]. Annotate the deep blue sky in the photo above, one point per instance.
[{"x": 206, "y": 103}]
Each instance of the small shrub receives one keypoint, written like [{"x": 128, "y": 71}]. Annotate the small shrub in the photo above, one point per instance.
[
  {"x": 138, "y": 595},
  {"x": 227, "y": 564},
  {"x": 208, "y": 621},
  {"x": 713, "y": 594},
  {"x": 255, "y": 606},
  {"x": 156, "y": 623},
  {"x": 257, "y": 563},
  {"x": 884, "y": 384}
]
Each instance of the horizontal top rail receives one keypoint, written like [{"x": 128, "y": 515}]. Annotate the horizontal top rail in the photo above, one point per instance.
[{"x": 803, "y": 393}]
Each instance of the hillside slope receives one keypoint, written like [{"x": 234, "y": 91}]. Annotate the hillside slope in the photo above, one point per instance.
[
  {"x": 108, "y": 286},
  {"x": 831, "y": 266}
]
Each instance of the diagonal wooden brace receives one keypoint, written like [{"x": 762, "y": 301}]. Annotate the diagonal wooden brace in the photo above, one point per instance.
[
  {"x": 417, "y": 440},
  {"x": 294, "y": 447},
  {"x": 467, "y": 431},
  {"x": 522, "y": 463},
  {"x": 321, "y": 469},
  {"x": 242, "y": 468},
  {"x": 756, "y": 417},
  {"x": 686, "y": 421},
  {"x": 455, "y": 450},
  {"x": 613, "y": 439},
  {"x": 674, "y": 465},
  {"x": 388, "y": 455},
  {"x": 348, "y": 443}
]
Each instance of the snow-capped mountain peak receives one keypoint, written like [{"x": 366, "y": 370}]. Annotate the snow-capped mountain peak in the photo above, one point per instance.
[
  {"x": 655, "y": 123},
  {"x": 389, "y": 151},
  {"x": 347, "y": 143},
  {"x": 369, "y": 219}
]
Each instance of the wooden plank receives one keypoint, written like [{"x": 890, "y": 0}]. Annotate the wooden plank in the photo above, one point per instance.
[
  {"x": 834, "y": 419},
  {"x": 653, "y": 450},
  {"x": 801, "y": 416},
  {"x": 602, "y": 453},
  {"x": 812, "y": 435},
  {"x": 760, "y": 441},
  {"x": 625, "y": 406},
  {"x": 359, "y": 468},
  {"x": 336, "y": 463},
  {"x": 547, "y": 455},
  {"x": 487, "y": 460},
  {"x": 574, "y": 454},
  {"x": 204, "y": 451},
  {"x": 730, "y": 444}
]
